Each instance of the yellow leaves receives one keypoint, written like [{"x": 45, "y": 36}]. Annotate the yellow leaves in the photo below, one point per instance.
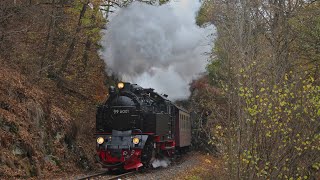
[
  {"x": 267, "y": 164},
  {"x": 298, "y": 148},
  {"x": 246, "y": 161},
  {"x": 289, "y": 112},
  {"x": 316, "y": 166},
  {"x": 208, "y": 161},
  {"x": 253, "y": 111},
  {"x": 311, "y": 79},
  {"x": 306, "y": 143},
  {"x": 275, "y": 131},
  {"x": 268, "y": 134},
  {"x": 317, "y": 137},
  {"x": 287, "y": 92},
  {"x": 308, "y": 86},
  {"x": 283, "y": 114}
]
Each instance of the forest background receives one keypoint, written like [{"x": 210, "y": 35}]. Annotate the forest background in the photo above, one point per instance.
[{"x": 259, "y": 100}]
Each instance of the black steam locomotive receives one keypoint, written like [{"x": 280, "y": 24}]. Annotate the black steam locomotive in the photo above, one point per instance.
[{"x": 136, "y": 125}]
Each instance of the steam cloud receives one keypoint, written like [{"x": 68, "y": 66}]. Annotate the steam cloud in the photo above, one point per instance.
[
  {"x": 160, "y": 163},
  {"x": 157, "y": 46}
]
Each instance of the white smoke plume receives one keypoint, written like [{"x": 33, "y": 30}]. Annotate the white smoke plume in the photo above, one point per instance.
[
  {"x": 160, "y": 163},
  {"x": 157, "y": 46}
]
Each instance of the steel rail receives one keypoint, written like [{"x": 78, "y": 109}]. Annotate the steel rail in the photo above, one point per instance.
[
  {"x": 106, "y": 173},
  {"x": 121, "y": 175},
  {"x": 93, "y": 175}
]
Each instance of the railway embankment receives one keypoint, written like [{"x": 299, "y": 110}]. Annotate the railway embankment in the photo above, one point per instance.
[{"x": 194, "y": 165}]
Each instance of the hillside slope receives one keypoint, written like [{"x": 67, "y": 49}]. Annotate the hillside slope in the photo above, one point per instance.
[
  {"x": 37, "y": 138},
  {"x": 51, "y": 79}
]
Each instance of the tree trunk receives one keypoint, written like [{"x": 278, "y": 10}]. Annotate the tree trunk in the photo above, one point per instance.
[{"x": 74, "y": 40}]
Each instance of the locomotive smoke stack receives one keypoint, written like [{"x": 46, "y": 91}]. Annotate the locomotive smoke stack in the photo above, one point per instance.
[{"x": 157, "y": 46}]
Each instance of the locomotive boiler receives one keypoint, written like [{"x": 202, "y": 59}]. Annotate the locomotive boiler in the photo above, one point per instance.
[{"x": 136, "y": 125}]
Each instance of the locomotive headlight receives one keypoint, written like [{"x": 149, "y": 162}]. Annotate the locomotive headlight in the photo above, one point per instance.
[
  {"x": 135, "y": 140},
  {"x": 120, "y": 85},
  {"x": 100, "y": 140}
]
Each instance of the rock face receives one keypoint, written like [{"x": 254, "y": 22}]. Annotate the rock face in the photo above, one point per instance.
[{"x": 37, "y": 138}]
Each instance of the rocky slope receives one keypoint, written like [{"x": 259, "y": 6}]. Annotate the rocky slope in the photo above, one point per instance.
[{"x": 37, "y": 137}]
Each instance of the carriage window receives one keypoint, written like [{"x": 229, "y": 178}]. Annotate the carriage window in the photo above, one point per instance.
[
  {"x": 187, "y": 125},
  {"x": 163, "y": 107},
  {"x": 187, "y": 122},
  {"x": 182, "y": 123}
]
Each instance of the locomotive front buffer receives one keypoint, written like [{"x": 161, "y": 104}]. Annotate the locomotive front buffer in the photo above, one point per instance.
[{"x": 120, "y": 149}]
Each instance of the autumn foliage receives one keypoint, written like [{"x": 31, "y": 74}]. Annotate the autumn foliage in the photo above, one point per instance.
[
  {"x": 52, "y": 78},
  {"x": 265, "y": 63}
]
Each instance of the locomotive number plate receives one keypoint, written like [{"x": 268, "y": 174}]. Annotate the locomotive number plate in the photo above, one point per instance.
[{"x": 121, "y": 111}]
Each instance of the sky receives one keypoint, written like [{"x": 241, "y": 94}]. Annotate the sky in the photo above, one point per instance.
[{"x": 157, "y": 46}]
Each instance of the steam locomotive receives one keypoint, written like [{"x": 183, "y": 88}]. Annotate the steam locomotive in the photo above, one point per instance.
[{"x": 137, "y": 125}]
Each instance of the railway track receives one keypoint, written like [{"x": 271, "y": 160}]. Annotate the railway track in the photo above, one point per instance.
[
  {"x": 106, "y": 176},
  {"x": 121, "y": 176}
]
